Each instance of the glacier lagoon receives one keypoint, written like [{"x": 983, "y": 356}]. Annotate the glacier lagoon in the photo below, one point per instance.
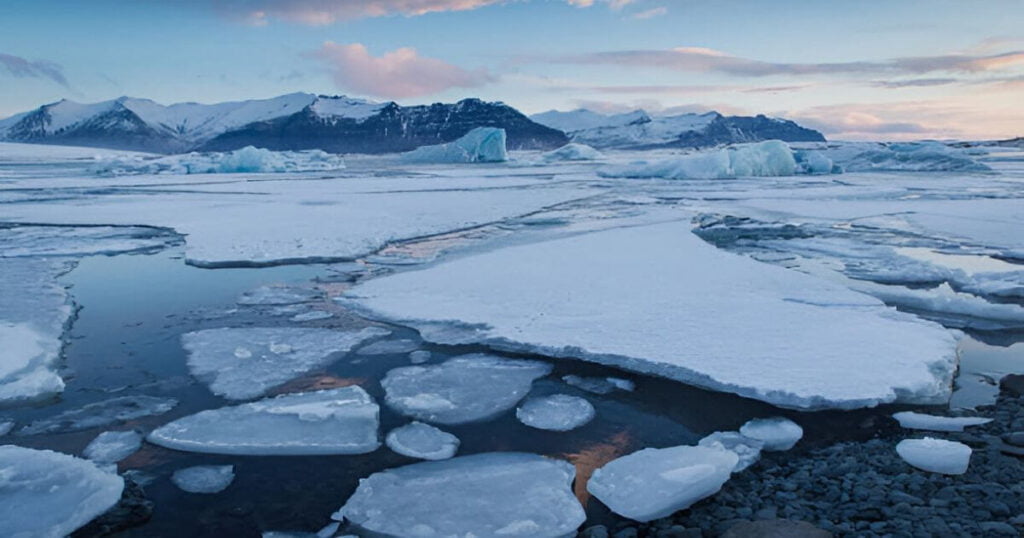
[{"x": 125, "y": 339}]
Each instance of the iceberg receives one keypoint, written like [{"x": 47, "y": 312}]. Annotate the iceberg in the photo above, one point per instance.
[
  {"x": 935, "y": 455},
  {"x": 905, "y": 157},
  {"x": 423, "y": 441},
  {"x": 204, "y": 478},
  {"x": 572, "y": 152},
  {"x": 463, "y": 389},
  {"x": 655, "y": 482},
  {"x": 46, "y": 494},
  {"x": 777, "y": 433},
  {"x": 763, "y": 159},
  {"x": 484, "y": 495},
  {"x": 558, "y": 412},
  {"x": 244, "y": 363},
  {"x": 250, "y": 160},
  {"x": 803, "y": 337},
  {"x": 102, "y": 413},
  {"x": 326, "y": 422},
  {"x": 481, "y": 145},
  {"x": 921, "y": 421},
  {"x": 112, "y": 447},
  {"x": 747, "y": 449}
]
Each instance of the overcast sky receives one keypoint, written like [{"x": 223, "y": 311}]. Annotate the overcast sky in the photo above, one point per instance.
[{"x": 896, "y": 69}]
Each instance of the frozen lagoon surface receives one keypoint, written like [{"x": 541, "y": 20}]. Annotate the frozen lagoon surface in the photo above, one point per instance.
[{"x": 138, "y": 299}]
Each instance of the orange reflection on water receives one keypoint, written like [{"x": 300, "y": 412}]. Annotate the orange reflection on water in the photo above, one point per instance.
[{"x": 594, "y": 456}]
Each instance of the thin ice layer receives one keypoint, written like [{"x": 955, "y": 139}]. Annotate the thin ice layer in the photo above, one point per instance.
[
  {"x": 335, "y": 421},
  {"x": 204, "y": 478},
  {"x": 112, "y": 447},
  {"x": 101, "y": 413},
  {"x": 683, "y": 310},
  {"x": 483, "y": 495}
]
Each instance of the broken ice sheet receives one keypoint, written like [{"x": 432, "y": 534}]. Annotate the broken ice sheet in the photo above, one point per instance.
[{"x": 245, "y": 363}]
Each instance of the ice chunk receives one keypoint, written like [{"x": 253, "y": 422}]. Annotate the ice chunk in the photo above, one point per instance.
[
  {"x": 204, "y": 478},
  {"x": 102, "y": 413},
  {"x": 419, "y": 440},
  {"x": 389, "y": 347},
  {"x": 678, "y": 318},
  {"x": 655, "y": 482},
  {"x": 935, "y": 455},
  {"x": 278, "y": 295},
  {"x": 245, "y": 363},
  {"x": 419, "y": 357},
  {"x": 598, "y": 385},
  {"x": 747, "y": 449},
  {"x": 921, "y": 421},
  {"x": 573, "y": 152},
  {"x": 814, "y": 163},
  {"x": 481, "y": 145},
  {"x": 905, "y": 157},
  {"x": 335, "y": 421},
  {"x": 485, "y": 495},
  {"x": 763, "y": 159},
  {"x": 245, "y": 160},
  {"x": 558, "y": 412},
  {"x": 49, "y": 494},
  {"x": 313, "y": 315},
  {"x": 112, "y": 447},
  {"x": 777, "y": 433},
  {"x": 463, "y": 389}
]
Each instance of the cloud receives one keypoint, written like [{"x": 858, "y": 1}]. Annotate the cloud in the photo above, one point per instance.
[
  {"x": 397, "y": 74},
  {"x": 22, "y": 68},
  {"x": 650, "y": 13},
  {"x": 916, "y": 83}
]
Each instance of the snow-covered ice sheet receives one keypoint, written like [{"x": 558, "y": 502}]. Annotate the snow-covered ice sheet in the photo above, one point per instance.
[
  {"x": 244, "y": 363},
  {"x": 682, "y": 309},
  {"x": 247, "y": 160},
  {"x": 481, "y": 145},
  {"x": 45, "y": 494},
  {"x": 464, "y": 389},
  {"x": 484, "y": 495},
  {"x": 935, "y": 455},
  {"x": 777, "y": 433},
  {"x": 423, "y": 441},
  {"x": 335, "y": 421},
  {"x": 101, "y": 413},
  {"x": 112, "y": 447},
  {"x": 747, "y": 449},
  {"x": 655, "y": 482},
  {"x": 557, "y": 412},
  {"x": 204, "y": 478},
  {"x": 922, "y": 421}
]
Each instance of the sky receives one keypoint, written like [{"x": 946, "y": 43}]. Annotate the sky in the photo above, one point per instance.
[{"x": 866, "y": 69}]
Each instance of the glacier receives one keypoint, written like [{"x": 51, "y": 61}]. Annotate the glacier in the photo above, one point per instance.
[
  {"x": 204, "y": 478},
  {"x": 480, "y": 145},
  {"x": 423, "y": 441},
  {"x": 485, "y": 495},
  {"x": 803, "y": 337},
  {"x": 935, "y": 455},
  {"x": 247, "y": 160},
  {"x": 334, "y": 421},
  {"x": 557, "y": 412}
]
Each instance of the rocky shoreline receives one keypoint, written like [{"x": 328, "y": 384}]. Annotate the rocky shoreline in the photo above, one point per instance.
[{"x": 865, "y": 489}]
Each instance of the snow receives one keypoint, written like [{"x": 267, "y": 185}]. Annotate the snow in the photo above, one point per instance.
[
  {"x": 763, "y": 159},
  {"x": 921, "y": 421},
  {"x": 345, "y": 107},
  {"x": 558, "y": 412},
  {"x": 598, "y": 385},
  {"x": 463, "y": 389},
  {"x": 335, "y": 421},
  {"x": 572, "y": 152},
  {"x": 631, "y": 129},
  {"x": 244, "y": 363},
  {"x": 656, "y": 482},
  {"x": 935, "y": 455},
  {"x": 278, "y": 296},
  {"x": 481, "y": 145},
  {"x": 777, "y": 433},
  {"x": 204, "y": 478},
  {"x": 101, "y": 413},
  {"x": 46, "y": 494},
  {"x": 249, "y": 160},
  {"x": 423, "y": 441},
  {"x": 747, "y": 449},
  {"x": 112, "y": 447},
  {"x": 806, "y": 343},
  {"x": 484, "y": 495},
  {"x": 389, "y": 347}
]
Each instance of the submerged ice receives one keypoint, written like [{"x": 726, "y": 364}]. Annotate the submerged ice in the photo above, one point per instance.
[
  {"x": 204, "y": 478},
  {"x": 101, "y": 413},
  {"x": 112, "y": 447}
]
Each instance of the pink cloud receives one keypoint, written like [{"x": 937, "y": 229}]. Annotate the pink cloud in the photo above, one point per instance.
[{"x": 397, "y": 74}]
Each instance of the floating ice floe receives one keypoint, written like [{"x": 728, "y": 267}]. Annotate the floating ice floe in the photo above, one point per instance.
[
  {"x": 389, "y": 347},
  {"x": 655, "y": 482},
  {"x": 599, "y": 385},
  {"x": 481, "y": 145},
  {"x": 486, "y": 495},
  {"x": 46, "y": 494},
  {"x": 245, "y": 363},
  {"x": 762, "y": 159},
  {"x": 921, "y": 421},
  {"x": 102, "y": 413},
  {"x": 904, "y": 157},
  {"x": 278, "y": 296},
  {"x": 747, "y": 449},
  {"x": 245, "y": 160},
  {"x": 558, "y": 412},
  {"x": 803, "y": 337},
  {"x": 777, "y": 433},
  {"x": 335, "y": 421},
  {"x": 935, "y": 455},
  {"x": 313, "y": 315},
  {"x": 423, "y": 441},
  {"x": 204, "y": 478},
  {"x": 572, "y": 152},
  {"x": 112, "y": 447},
  {"x": 463, "y": 389}
]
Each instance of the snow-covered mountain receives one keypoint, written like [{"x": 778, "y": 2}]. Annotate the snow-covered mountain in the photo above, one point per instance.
[
  {"x": 295, "y": 121},
  {"x": 640, "y": 130}
]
